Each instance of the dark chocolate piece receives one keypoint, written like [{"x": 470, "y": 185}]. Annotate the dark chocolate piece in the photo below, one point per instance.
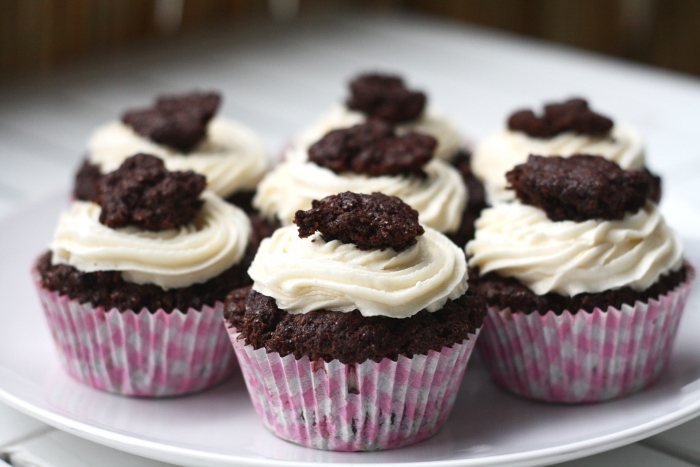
[
  {"x": 373, "y": 149},
  {"x": 509, "y": 293},
  {"x": 580, "y": 187},
  {"x": 109, "y": 290},
  {"x": 86, "y": 180},
  {"x": 385, "y": 97},
  {"x": 350, "y": 337},
  {"x": 143, "y": 193},
  {"x": 368, "y": 221},
  {"x": 176, "y": 121},
  {"x": 572, "y": 115}
]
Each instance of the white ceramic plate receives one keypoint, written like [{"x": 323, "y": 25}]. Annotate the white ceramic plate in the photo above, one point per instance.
[{"x": 219, "y": 426}]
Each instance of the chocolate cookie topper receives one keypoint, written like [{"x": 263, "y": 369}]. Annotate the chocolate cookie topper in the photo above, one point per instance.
[
  {"x": 176, "y": 121},
  {"x": 372, "y": 148},
  {"x": 571, "y": 115},
  {"x": 143, "y": 193},
  {"x": 580, "y": 187},
  {"x": 368, "y": 221},
  {"x": 385, "y": 97}
]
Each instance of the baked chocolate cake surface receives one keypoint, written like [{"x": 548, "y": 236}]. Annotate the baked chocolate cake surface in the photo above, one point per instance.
[
  {"x": 350, "y": 337},
  {"x": 509, "y": 293},
  {"x": 109, "y": 290}
]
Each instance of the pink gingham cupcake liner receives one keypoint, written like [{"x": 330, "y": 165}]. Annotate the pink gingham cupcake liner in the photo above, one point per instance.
[
  {"x": 583, "y": 356},
  {"x": 353, "y": 407},
  {"x": 139, "y": 354}
]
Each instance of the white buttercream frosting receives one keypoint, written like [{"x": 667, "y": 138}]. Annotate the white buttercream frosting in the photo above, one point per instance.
[
  {"x": 231, "y": 157},
  {"x": 430, "y": 122},
  {"x": 567, "y": 257},
  {"x": 440, "y": 198},
  {"x": 501, "y": 151},
  {"x": 306, "y": 274},
  {"x": 215, "y": 240}
]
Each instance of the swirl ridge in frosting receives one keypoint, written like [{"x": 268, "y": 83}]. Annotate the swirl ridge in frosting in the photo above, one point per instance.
[
  {"x": 309, "y": 274},
  {"x": 194, "y": 253},
  {"x": 439, "y": 198},
  {"x": 231, "y": 157},
  {"x": 503, "y": 150},
  {"x": 567, "y": 257}
]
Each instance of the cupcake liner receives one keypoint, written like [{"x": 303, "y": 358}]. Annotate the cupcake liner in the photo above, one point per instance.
[
  {"x": 583, "y": 356},
  {"x": 139, "y": 354},
  {"x": 353, "y": 407}
]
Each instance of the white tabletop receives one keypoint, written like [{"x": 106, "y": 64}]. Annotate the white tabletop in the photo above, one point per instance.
[{"x": 277, "y": 78}]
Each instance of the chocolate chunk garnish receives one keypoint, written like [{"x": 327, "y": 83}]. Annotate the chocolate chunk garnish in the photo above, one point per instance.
[
  {"x": 385, "y": 97},
  {"x": 373, "y": 149},
  {"x": 572, "y": 115},
  {"x": 350, "y": 337},
  {"x": 86, "y": 180},
  {"x": 580, "y": 187},
  {"x": 368, "y": 221},
  {"x": 176, "y": 121},
  {"x": 143, "y": 193}
]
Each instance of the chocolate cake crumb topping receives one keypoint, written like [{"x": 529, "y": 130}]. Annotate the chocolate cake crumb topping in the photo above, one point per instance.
[
  {"x": 350, "y": 337},
  {"x": 86, "y": 180},
  {"x": 368, "y": 221},
  {"x": 143, "y": 193},
  {"x": 572, "y": 115},
  {"x": 373, "y": 149},
  {"x": 386, "y": 97},
  {"x": 176, "y": 121},
  {"x": 580, "y": 187}
]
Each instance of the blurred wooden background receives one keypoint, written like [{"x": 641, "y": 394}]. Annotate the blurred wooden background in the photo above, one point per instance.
[{"x": 36, "y": 36}]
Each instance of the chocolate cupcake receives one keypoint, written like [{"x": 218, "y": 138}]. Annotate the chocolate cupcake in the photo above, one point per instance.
[
  {"x": 385, "y": 97},
  {"x": 133, "y": 285},
  {"x": 563, "y": 129},
  {"x": 366, "y": 158},
  {"x": 183, "y": 131},
  {"x": 368, "y": 312},
  {"x": 584, "y": 280}
]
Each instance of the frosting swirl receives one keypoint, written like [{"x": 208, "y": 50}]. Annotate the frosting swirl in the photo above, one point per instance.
[
  {"x": 567, "y": 257},
  {"x": 231, "y": 157},
  {"x": 440, "y": 198},
  {"x": 500, "y": 152},
  {"x": 214, "y": 241},
  {"x": 430, "y": 123},
  {"x": 306, "y": 274}
]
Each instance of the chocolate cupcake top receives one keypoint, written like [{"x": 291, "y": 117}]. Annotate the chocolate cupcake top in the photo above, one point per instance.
[
  {"x": 154, "y": 227},
  {"x": 587, "y": 227},
  {"x": 372, "y": 266},
  {"x": 435, "y": 189},
  {"x": 563, "y": 129},
  {"x": 386, "y": 97},
  {"x": 185, "y": 132}
]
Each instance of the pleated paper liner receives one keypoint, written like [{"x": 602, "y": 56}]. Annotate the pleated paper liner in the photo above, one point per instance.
[
  {"x": 583, "y": 356},
  {"x": 139, "y": 354},
  {"x": 353, "y": 407}
]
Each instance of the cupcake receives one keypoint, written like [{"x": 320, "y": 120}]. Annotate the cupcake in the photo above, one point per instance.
[
  {"x": 584, "y": 281},
  {"x": 183, "y": 131},
  {"x": 564, "y": 129},
  {"x": 385, "y": 97},
  {"x": 366, "y": 158},
  {"x": 358, "y": 327},
  {"x": 133, "y": 285}
]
